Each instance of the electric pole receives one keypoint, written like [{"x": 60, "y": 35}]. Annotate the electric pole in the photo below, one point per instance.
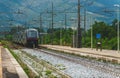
[
  {"x": 52, "y": 25},
  {"x": 40, "y": 30},
  {"x": 65, "y": 21},
  {"x": 40, "y": 22},
  {"x": 18, "y": 12},
  {"x": 25, "y": 24},
  {"x": 84, "y": 26},
  {"x": 79, "y": 36}
]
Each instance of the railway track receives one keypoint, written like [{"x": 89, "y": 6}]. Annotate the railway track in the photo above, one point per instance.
[
  {"x": 103, "y": 67},
  {"x": 40, "y": 66},
  {"x": 106, "y": 68},
  {"x": 71, "y": 50}
]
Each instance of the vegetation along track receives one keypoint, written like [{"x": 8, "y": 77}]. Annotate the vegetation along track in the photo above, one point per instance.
[
  {"x": 99, "y": 66},
  {"x": 39, "y": 66}
]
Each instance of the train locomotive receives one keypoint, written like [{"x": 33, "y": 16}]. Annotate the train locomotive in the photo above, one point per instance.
[{"x": 28, "y": 37}]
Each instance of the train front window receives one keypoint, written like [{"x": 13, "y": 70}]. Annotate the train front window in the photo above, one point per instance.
[{"x": 32, "y": 34}]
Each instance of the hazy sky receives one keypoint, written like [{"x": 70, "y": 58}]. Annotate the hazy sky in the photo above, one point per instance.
[{"x": 22, "y": 11}]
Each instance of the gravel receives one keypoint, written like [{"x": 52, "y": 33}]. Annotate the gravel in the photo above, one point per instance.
[{"x": 74, "y": 69}]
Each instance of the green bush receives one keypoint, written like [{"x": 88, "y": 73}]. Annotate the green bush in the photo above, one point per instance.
[
  {"x": 113, "y": 43},
  {"x": 48, "y": 72}
]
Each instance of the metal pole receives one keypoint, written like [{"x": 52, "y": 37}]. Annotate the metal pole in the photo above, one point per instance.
[
  {"x": 118, "y": 29},
  {"x": 65, "y": 21},
  {"x": 84, "y": 26},
  {"x": 116, "y": 5},
  {"x": 61, "y": 35},
  {"x": 73, "y": 34},
  {"x": 75, "y": 29},
  {"x": 52, "y": 25},
  {"x": 60, "y": 32},
  {"x": 73, "y": 38},
  {"x": 41, "y": 21},
  {"x": 40, "y": 28},
  {"x": 91, "y": 32},
  {"x": 79, "y": 36}
]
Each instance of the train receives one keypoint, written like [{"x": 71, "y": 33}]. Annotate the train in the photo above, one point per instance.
[{"x": 28, "y": 37}]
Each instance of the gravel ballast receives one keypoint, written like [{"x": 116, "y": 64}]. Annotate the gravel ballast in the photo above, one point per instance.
[{"x": 81, "y": 69}]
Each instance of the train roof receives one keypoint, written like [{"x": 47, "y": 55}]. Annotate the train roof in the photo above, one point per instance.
[
  {"x": 31, "y": 29},
  {"x": 26, "y": 30}
]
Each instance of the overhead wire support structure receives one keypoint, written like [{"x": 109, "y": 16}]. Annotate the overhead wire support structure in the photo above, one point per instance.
[
  {"x": 18, "y": 12},
  {"x": 118, "y": 32},
  {"x": 118, "y": 35},
  {"x": 79, "y": 32},
  {"x": 79, "y": 36},
  {"x": 52, "y": 21},
  {"x": 52, "y": 25}
]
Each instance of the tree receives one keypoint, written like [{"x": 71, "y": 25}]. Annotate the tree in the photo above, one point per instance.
[{"x": 104, "y": 29}]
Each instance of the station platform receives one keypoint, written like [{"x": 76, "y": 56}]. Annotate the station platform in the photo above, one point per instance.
[
  {"x": 9, "y": 67},
  {"x": 107, "y": 55}
]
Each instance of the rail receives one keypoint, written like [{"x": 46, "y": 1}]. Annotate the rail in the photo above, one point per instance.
[{"x": 47, "y": 65}]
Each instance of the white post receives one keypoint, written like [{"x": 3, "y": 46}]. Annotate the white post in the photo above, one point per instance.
[
  {"x": 116, "y": 5},
  {"x": 74, "y": 29},
  {"x": 118, "y": 29},
  {"x": 91, "y": 32},
  {"x": 61, "y": 35},
  {"x": 73, "y": 37}
]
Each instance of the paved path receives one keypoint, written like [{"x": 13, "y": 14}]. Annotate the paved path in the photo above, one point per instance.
[
  {"x": 10, "y": 67},
  {"x": 0, "y": 63},
  {"x": 112, "y": 55},
  {"x": 9, "y": 70}
]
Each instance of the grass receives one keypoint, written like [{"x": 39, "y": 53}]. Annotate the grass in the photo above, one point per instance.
[
  {"x": 49, "y": 67},
  {"x": 29, "y": 72},
  {"x": 48, "y": 72},
  {"x": 24, "y": 66}
]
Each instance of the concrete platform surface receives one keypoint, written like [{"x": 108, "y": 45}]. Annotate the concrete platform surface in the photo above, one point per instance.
[
  {"x": 10, "y": 67},
  {"x": 112, "y": 55}
]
